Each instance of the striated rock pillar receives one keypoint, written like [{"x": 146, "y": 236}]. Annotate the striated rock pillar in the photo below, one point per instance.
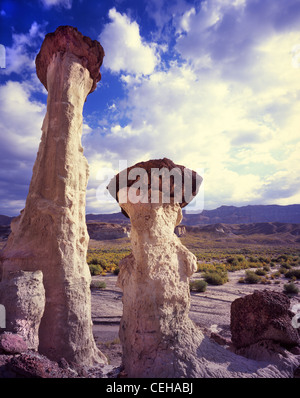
[
  {"x": 156, "y": 332},
  {"x": 51, "y": 234},
  {"x": 155, "y": 329}
]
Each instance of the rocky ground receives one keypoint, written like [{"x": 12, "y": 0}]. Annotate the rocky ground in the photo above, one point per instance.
[{"x": 210, "y": 310}]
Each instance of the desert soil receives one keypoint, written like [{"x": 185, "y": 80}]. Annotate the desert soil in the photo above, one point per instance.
[{"x": 210, "y": 310}]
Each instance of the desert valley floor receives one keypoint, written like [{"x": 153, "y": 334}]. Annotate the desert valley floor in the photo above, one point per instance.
[{"x": 210, "y": 310}]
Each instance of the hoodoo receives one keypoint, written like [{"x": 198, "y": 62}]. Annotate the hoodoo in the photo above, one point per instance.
[{"x": 50, "y": 235}]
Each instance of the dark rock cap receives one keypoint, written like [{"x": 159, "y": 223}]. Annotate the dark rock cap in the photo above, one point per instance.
[
  {"x": 183, "y": 172},
  {"x": 68, "y": 38}
]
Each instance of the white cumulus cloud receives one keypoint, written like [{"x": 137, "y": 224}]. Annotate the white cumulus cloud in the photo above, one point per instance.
[{"x": 125, "y": 50}]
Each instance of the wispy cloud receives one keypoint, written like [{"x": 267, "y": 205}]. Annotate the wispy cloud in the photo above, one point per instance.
[
  {"x": 52, "y": 3},
  {"x": 20, "y": 56}
]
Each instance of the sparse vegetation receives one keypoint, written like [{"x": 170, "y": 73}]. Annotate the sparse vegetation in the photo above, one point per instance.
[
  {"x": 217, "y": 277},
  {"x": 251, "y": 277},
  {"x": 98, "y": 285},
  {"x": 260, "y": 272},
  {"x": 293, "y": 273},
  {"x": 291, "y": 288},
  {"x": 102, "y": 261},
  {"x": 216, "y": 261},
  {"x": 198, "y": 285}
]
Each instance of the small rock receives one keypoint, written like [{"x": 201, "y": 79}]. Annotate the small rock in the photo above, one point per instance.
[
  {"x": 11, "y": 343},
  {"x": 34, "y": 365},
  {"x": 63, "y": 363},
  {"x": 220, "y": 339}
]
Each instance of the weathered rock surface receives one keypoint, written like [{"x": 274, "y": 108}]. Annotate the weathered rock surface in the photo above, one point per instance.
[
  {"x": 263, "y": 315},
  {"x": 23, "y": 296},
  {"x": 51, "y": 234},
  {"x": 11, "y": 343},
  {"x": 155, "y": 326}
]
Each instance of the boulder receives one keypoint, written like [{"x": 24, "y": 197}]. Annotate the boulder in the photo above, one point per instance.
[
  {"x": 263, "y": 315},
  {"x": 23, "y": 296},
  {"x": 34, "y": 365},
  {"x": 11, "y": 343}
]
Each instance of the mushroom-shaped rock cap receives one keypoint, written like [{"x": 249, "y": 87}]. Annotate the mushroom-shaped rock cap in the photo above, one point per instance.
[
  {"x": 69, "y": 39},
  {"x": 182, "y": 183}
]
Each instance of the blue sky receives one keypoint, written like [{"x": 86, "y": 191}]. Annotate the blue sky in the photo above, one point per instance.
[{"x": 213, "y": 85}]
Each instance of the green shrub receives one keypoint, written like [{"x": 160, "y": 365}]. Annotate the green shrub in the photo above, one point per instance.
[
  {"x": 93, "y": 261},
  {"x": 232, "y": 261},
  {"x": 198, "y": 285},
  {"x": 275, "y": 274},
  {"x": 265, "y": 281},
  {"x": 98, "y": 285},
  {"x": 252, "y": 277},
  {"x": 291, "y": 288},
  {"x": 283, "y": 270},
  {"x": 282, "y": 257},
  {"x": 286, "y": 265},
  {"x": 216, "y": 278},
  {"x": 293, "y": 272},
  {"x": 261, "y": 272},
  {"x": 95, "y": 269},
  {"x": 252, "y": 259},
  {"x": 264, "y": 259}
]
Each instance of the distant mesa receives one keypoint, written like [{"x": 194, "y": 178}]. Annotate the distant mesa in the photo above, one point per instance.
[
  {"x": 106, "y": 231},
  {"x": 221, "y": 222}
]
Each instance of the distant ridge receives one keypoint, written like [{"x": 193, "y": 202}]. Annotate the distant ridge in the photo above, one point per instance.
[
  {"x": 245, "y": 215},
  {"x": 115, "y": 218},
  {"x": 224, "y": 214}
]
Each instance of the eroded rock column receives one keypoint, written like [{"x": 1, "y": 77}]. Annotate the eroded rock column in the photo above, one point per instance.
[
  {"x": 156, "y": 332},
  {"x": 50, "y": 234}
]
